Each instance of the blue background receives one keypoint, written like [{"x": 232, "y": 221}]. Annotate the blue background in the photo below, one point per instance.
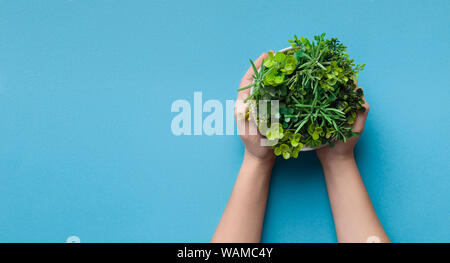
[{"x": 86, "y": 88}]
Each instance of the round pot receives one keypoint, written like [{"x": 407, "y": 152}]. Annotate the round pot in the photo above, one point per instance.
[{"x": 253, "y": 112}]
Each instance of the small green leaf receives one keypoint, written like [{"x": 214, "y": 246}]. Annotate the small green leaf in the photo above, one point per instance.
[
  {"x": 277, "y": 151},
  {"x": 284, "y": 148},
  {"x": 280, "y": 57},
  {"x": 315, "y": 136}
]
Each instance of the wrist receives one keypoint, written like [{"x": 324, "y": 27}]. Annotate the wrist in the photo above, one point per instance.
[
  {"x": 336, "y": 160},
  {"x": 266, "y": 162}
]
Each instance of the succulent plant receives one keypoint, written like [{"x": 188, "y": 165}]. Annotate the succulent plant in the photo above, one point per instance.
[{"x": 314, "y": 83}]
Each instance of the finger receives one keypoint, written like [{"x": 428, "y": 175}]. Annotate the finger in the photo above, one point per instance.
[
  {"x": 248, "y": 77},
  {"x": 360, "y": 121},
  {"x": 244, "y": 125},
  {"x": 240, "y": 111}
]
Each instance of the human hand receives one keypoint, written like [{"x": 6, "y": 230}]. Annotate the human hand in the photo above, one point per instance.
[
  {"x": 243, "y": 217},
  {"x": 247, "y": 129},
  {"x": 344, "y": 151},
  {"x": 355, "y": 218}
]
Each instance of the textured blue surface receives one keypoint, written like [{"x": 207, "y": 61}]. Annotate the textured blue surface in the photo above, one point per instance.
[{"x": 85, "y": 94}]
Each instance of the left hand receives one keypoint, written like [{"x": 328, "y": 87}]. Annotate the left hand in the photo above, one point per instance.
[{"x": 252, "y": 142}]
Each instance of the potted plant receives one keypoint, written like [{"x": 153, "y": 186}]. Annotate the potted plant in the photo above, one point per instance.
[{"x": 314, "y": 83}]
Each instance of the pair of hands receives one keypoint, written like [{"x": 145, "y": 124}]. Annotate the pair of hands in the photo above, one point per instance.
[
  {"x": 354, "y": 217},
  {"x": 253, "y": 148}
]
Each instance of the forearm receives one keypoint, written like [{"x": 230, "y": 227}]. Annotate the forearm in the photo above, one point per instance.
[
  {"x": 354, "y": 216},
  {"x": 243, "y": 217}
]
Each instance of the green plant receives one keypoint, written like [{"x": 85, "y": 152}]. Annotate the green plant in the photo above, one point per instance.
[{"x": 314, "y": 82}]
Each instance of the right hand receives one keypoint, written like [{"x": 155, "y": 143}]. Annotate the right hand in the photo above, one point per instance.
[{"x": 342, "y": 151}]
